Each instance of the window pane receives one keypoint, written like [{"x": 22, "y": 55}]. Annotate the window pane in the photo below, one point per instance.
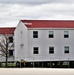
[
  {"x": 51, "y": 34},
  {"x": 11, "y": 52},
  {"x": 35, "y": 34},
  {"x": 51, "y": 50},
  {"x": 66, "y": 34},
  {"x": 35, "y": 50},
  {"x": 66, "y": 49},
  {"x": 10, "y": 39}
]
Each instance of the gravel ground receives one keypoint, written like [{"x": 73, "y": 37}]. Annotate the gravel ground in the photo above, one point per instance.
[{"x": 35, "y": 71}]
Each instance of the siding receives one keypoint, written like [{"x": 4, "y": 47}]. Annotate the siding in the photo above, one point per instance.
[{"x": 43, "y": 42}]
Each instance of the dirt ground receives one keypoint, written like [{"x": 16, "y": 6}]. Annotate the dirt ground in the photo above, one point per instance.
[{"x": 35, "y": 71}]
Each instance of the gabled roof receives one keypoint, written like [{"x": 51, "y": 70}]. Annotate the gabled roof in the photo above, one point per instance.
[
  {"x": 9, "y": 30},
  {"x": 49, "y": 23}
]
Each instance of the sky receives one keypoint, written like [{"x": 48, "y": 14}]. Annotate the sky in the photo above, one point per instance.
[{"x": 12, "y": 11}]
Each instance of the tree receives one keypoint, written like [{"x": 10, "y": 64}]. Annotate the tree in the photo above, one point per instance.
[{"x": 5, "y": 46}]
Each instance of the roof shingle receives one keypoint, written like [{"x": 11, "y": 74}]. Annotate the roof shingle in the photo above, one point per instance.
[
  {"x": 49, "y": 23},
  {"x": 8, "y": 30}
]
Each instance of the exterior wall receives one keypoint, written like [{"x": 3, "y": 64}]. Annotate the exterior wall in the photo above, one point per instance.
[
  {"x": 21, "y": 46},
  {"x": 44, "y": 42},
  {"x": 24, "y": 36}
]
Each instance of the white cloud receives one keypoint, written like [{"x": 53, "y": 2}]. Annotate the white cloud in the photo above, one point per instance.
[
  {"x": 10, "y": 14},
  {"x": 35, "y": 2}
]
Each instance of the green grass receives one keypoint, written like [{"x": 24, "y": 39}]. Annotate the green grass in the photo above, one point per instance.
[{"x": 9, "y": 64}]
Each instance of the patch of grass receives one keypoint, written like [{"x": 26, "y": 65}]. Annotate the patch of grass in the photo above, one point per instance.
[{"x": 9, "y": 64}]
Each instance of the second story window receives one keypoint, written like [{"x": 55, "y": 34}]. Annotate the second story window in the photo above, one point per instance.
[
  {"x": 66, "y": 49},
  {"x": 51, "y": 50},
  {"x": 35, "y": 50},
  {"x": 51, "y": 34},
  {"x": 35, "y": 34},
  {"x": 66, "y": 34},
  {"x": 11, "y": 39}
]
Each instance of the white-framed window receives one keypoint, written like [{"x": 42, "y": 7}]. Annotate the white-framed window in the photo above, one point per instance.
[
  {"x": 35, "y": 50},
  {"x": 35, "y": 34},
  {"x": 51, "y": 34},
  {"x": 51, "y": 50},
  {"x": 66, "y": 34},
  {"x": 66, "y": 49}
]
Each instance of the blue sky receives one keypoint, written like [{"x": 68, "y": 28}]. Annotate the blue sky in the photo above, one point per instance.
[{"x": 11, "y": 11}]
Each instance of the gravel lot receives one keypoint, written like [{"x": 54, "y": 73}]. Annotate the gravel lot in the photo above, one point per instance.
[{"x": 35, "y": 71}]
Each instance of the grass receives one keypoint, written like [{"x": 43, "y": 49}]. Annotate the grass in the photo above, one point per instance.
[{"x": 9, "y": 64}]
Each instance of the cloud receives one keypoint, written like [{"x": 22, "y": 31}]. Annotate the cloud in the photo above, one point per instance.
[
  {"x": 35, "y": 2},
  {"x": 45, "y": 10},
  {"x": 10, "y": 14}
]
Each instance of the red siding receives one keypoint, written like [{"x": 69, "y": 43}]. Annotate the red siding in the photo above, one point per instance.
[
  {"x": 7, "y": 30},
  {"x": 49, "y": 23}
]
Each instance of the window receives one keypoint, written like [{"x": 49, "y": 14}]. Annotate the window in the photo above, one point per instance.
[
  {"x": 66, "y": 34},
  {"x": 66, "y": 49},
  {"x": 11, "y": 52},
  {"x": 35, "y": 50},
  {"x": 51, "y": 34},
  {"x": 11, "y": 39},
  {"x": 51, "y": 50},
  {"x": 35, "y": 34}
]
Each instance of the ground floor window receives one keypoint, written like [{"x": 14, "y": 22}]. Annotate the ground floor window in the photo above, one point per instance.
[
  {"x": 66, "y": 49},
  {"x": 11, "y": 52},
  {"x": 35, "y": 50},
  {"x": 51, "y": 50}
]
